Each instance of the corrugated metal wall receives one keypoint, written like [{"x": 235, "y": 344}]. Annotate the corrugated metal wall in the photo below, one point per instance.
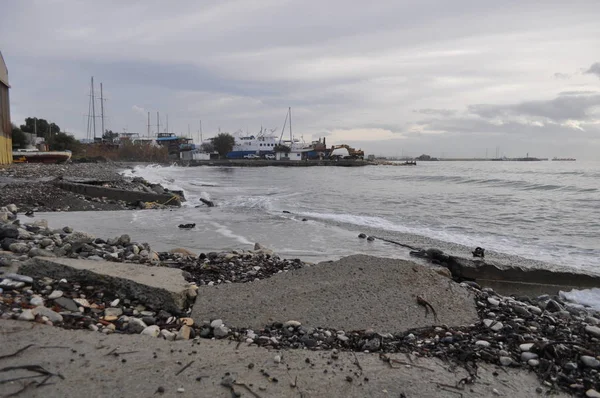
[{"x": 5, "y": 127}]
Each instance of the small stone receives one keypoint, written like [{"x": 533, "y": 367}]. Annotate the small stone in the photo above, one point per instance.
[
  {"x": 18, "y": 247},
  {"x": 113, "y": 312},
  {"x": 216, "y": 323},
  {"x": 570, "y": 366},
  {"x": 523, "y": 312},
  {"x": 36, "y": 301},
  {"x": 114, "y": 303},
  {"x": 482, "y": 343},
  {"x": 136, "y": 325},
  {"x": 533, "y": 363},
  {"x": 152, "y": 331},
  {"x": 534, "y": 309},
  {"x": 277, "y": 359},
  {"x": 221, "y": 331},
  {"x": 52, "y": 316},
  {"x": 35, "y": 252},
  {"x": 526, "y": 356},
  {"x": 553, "y": 306},
  {"x": 496, "y": 392},
  {"x": 592, "y": 321},
  {"x": 294, "y": 324},
  {"x": 67, "y": 303},
  {"x": 493, "y": 325},
  {"x": 493, "y": 301},
  {"x": 526, "y": 346},
  {"x": 505, "y": 361},
  {"x": 20, "y": 278},
  {"x": 342, "y": 337},
  {"x": 26, "y": 315},
  {"x": 93, "y": 327},
  {"x": 591, "y": 393},
  {"x": 167, "y": 335},
  {"x": 187, "y": 321},
  {"x": 590, "y": 362},
  {"x": 593, "y": 330},
  {"x": 184, "y": 333},
  {"x": 82, "y": 302},
  {"x": 181, "y": 390},
  {"x": 55, "y": 294}
]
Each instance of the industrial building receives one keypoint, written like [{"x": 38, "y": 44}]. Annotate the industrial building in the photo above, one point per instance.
[{"x": 5, "y": 126}]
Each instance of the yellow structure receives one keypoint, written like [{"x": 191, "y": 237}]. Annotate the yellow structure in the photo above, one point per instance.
[{"x": 5, "y": 126}]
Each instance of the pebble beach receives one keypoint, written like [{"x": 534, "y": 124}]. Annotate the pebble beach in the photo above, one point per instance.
[{"x": 255, "y": 299}]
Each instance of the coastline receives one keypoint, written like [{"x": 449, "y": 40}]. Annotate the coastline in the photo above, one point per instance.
[{"x": 497, "y": 332}]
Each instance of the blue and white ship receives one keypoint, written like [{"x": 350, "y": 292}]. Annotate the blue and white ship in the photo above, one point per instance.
[{"x": 253, "y": 145}]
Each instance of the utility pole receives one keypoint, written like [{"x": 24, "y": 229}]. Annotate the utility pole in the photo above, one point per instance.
[
  {"x": 102, "y": 108},
  {"x": 148, "y": 124},
  {"x": 93, "y": 109}
]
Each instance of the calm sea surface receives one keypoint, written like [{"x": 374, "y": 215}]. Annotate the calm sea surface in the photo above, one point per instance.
[{"x": 518, "y": 211}]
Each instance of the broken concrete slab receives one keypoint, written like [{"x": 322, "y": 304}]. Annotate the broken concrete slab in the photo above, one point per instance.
[
  {"x": 521, "y": 280},
  {"x": 355, "y": 293},
  {"x": 119, "y": 194},
  {"x": 157, "y": 287},
  {"x": 154, "y": 365}
]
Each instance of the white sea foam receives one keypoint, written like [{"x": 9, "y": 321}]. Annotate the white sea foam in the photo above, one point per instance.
[
  {"x": 506, "y": 245},
  {"x": 226, "y": 232},
  {"x": 588, "y": 297}
]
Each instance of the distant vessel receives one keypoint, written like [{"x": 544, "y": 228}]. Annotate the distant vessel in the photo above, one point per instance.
[
  {"x": 36, "y": 156},
  {"x": 563, "y": 159},
  {"x": 263, "y": 144}
]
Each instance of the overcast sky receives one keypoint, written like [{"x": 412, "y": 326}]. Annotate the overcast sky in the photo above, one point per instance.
[{"x": 448, "y": 78}]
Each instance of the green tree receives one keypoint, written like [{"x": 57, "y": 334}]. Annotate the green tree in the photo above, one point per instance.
[
  {"x": 42, "y": 126},
  {"x": 207, "y": 147},
  {"x": 223, "y": 143},
  {"x": 109, "y": 135},
  {"x": 64, "y": 141},
  {"x": 19, "y": 139}
]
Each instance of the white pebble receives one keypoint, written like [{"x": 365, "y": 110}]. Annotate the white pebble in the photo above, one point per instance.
[
  {"x": 277, "y": 359},
  {"x": 181, "y": 389}
]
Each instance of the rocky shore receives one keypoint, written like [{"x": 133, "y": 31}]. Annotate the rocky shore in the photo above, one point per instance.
[
  {"x": 32, "y": 187},
  {"x": 557, "y": 340}
]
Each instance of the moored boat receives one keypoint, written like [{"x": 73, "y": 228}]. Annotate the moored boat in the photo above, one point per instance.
[{"x": 36, "y": 156}]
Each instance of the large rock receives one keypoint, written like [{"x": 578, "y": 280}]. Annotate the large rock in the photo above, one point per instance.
[
  {"x": 157, "y": 287},
  {"x": 79, "y": 237},
  {"x": 9, "y": 231},
  {"x": 355, "y": 293}
]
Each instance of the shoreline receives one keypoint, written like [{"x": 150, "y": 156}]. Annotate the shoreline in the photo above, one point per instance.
[{"x": 85, "y": 302}]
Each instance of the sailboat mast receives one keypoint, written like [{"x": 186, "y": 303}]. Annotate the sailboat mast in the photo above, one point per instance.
[
  {"x": 291, "y": 138},
  {"x": 102, "y": 108},
  {"x": 167, "y": 123},
  {"x": 93, "y": 108},
  {"x": 148, "y": 124}
]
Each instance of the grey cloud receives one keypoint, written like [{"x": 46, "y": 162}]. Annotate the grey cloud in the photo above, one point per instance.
[
  {"x": 430, "y": 111},
  {"x": 594, "y": 69},
  {"x": 575, "y": 92},
  {"x": 238, "y": 64},
  {"x": 559, "y": 109}
]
